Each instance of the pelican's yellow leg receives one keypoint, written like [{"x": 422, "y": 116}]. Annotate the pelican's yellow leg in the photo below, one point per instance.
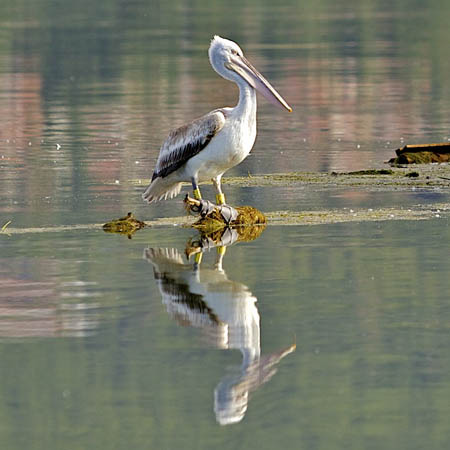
[
  {"x": 220, "y": 199},
  {"x": 221, "y": 250},
  {"x": 198, "y": 257},
  {"x": 197, "y": 194}
]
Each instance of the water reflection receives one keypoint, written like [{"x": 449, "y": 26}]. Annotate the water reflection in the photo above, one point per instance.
[
  {"x": 225, "y": 311},
  {"x": 36, "y": 309}
]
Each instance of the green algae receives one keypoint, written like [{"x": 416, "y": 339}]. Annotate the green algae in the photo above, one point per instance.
[
  {"x": 427, "y": 177},
  {"x": 355, "y": 215},
  {"x": 283, "y": 218},
  {"x": 366, "y": 172},
  {"x": 397, "y": 178},
  {"x": 247, "y": 217},
  {"x": 249, "y": 222},
  {"x": 127, "y": 225}
]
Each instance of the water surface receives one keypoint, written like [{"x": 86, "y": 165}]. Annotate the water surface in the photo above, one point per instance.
[{"x": 106, "y": 344}]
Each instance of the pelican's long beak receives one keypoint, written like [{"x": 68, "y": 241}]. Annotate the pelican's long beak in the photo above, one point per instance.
[{"x": 242, "y": 66}]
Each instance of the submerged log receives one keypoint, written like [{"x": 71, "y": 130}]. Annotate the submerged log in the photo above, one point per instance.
[{"x": 422, "y": 154}]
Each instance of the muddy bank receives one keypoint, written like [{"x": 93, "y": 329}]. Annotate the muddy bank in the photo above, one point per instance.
[{"x": 422, "y": 154}]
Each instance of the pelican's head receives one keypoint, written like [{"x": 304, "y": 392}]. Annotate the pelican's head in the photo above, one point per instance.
[{"x": 228, "y": 60}]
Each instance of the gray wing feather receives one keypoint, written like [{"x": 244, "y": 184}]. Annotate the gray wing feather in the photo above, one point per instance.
[{"x": 186, "y": 141}]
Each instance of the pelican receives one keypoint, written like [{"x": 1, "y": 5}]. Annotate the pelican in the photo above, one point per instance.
[{"x": 210, "y": 145}]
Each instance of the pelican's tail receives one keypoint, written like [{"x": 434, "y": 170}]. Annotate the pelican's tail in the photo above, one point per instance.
[{"x": 161, "y": 189}]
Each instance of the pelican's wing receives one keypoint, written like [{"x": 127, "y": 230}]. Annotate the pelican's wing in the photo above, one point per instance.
[{"x": 186, "y": 141}]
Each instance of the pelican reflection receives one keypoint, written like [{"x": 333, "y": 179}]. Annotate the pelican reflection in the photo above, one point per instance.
[{"x": 225, "y": 311}]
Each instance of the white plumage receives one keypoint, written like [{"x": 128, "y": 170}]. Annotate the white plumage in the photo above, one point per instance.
[{"x": 207, "y": 147}]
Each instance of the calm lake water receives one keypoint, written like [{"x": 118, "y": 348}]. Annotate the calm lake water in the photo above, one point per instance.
[{"x": 314, "y": 337}]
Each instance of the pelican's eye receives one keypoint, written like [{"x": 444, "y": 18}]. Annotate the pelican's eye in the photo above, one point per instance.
[{"x": 235, "y": 52}]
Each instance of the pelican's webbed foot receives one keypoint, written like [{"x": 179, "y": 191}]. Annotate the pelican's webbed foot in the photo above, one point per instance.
[
  {"x": 207, "y": 209},
  {"x": 228, "y": 213}
]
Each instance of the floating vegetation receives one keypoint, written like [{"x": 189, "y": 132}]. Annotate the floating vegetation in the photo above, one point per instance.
[
  {"x": 414, "y": 212},
  {"x": 222, "y": 225},
  {"x": 223, "y": 237},
  {"x": 125, "y": 225},
  {"x": 422, "y": 154},
  {"x": 375, "y": 172},
  {"x": 214, "y": 218},
  {"x": 396, "y": 178},
  {"x": 366, "y": 172},
  {"x": 432, "y": 178},
  {"x": 356, "y": 215}
]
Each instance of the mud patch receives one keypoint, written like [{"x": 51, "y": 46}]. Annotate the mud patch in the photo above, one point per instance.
[{"x": 422, "y": 154}]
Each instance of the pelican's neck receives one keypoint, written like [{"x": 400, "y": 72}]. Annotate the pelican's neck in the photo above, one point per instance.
[{"x": 246, "y": 106}]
